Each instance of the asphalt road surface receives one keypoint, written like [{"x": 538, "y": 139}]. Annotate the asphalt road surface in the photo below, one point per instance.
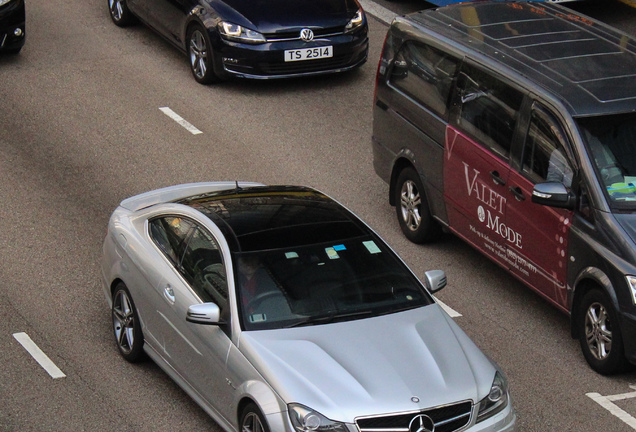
[{"x": 81, "y": 129}]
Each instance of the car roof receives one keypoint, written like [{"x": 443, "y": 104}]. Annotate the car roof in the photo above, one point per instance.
[
  {"x": 276, "y": 217},
  {"x": 588, "y": 65}
]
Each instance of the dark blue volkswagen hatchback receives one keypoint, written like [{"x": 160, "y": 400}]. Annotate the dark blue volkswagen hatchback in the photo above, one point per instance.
[
  {"x": 256, "y": 39},
  {"x": 12, "y": 19}
]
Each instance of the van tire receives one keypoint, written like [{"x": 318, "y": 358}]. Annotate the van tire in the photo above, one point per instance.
[
  {"x": 600, "y": 334},
  {"x": 411, "y": 206}
]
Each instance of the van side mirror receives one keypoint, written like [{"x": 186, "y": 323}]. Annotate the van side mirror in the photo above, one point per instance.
[
  {"x": 553, "y": 195},
  {"x": 204, "y": 313},
  {"x": 435, "y": 280},
  {"x": 400, "y": 69}
]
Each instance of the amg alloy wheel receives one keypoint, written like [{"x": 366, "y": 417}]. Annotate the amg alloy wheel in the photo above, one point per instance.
[
  {"x": 126, "y": 326},
  {"x": 252, "y": 420}
]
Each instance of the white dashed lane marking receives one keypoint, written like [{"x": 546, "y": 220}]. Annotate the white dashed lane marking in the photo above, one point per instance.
[
  {"x": 38, "y": 355},
  {"x": 176, "y": 117}
]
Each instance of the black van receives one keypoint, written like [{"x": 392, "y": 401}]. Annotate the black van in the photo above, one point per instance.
[{"x": 513, "y": 125}]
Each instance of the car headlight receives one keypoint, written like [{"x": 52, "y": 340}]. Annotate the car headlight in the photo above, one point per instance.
[
  {"x": 355, "y": 21},
  {"x": 239, "y": 33},
  {"x": 631, "y": 281},
  {"x": 4, "y": 2},
  {"x": 496, "y": 400},
  {"x": 305, "y": 419}
]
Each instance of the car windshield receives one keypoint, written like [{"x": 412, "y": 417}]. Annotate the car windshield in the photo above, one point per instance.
[
  {"x": 611, "y": 143},
  {"x": 323, "y": 283}
]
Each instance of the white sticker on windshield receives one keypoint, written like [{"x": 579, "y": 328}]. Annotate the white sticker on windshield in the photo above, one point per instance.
[
  {"x": 371, "y": 247},
  {"x": 331, "y": 253},
  {"x": 290, "y": 255}
]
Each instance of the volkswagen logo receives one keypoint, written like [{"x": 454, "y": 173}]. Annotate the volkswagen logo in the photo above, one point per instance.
[
  {"x": 421, "y": 423},
  {"x": 306, "y": 34}
]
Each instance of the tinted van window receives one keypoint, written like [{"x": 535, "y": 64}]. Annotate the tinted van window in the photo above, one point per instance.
[
  {"x": 489, "y": 109},
  {"x": 544, "y": 157},
  {"x": 425, "y": 74}
]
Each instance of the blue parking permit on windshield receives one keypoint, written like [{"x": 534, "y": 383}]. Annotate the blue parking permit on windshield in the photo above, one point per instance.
[
  {"x": 617, "y": 189},
  {"x": 339, "y": 247}
]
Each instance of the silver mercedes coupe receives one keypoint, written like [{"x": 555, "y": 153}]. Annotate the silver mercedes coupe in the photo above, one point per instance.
[{"x": 278, "y": 310}]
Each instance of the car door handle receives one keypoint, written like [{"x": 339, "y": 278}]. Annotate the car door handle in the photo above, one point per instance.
[
  {"x": 496, "y": 178},
  {"x": 518, "y": 193},
  {"x": 168, "y": 294}
]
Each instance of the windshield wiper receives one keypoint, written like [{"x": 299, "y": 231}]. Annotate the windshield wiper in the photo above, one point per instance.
[{"x": 325, "y": 319}]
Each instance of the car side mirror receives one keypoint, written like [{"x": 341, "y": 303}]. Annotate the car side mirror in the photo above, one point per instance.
[
  {"x": 553, "y": 195},
  {"x": 435, "y": 280},
  {"x": 204, "y": 313}
]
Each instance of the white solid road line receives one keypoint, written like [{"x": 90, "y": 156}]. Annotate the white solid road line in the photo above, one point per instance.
[
  {"x": 176, "y": 117},
  {"x": 607, "y": 402},
  {"x": 38, "y": 355}
]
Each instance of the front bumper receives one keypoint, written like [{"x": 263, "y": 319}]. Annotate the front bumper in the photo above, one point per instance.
[
  {"x": 12, "y": 26},
  {"x": 266, "y": 61},
  {"x": 628, "y": 330}
]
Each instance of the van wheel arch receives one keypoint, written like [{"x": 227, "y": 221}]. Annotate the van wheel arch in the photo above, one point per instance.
[{"x": 399, "y": 166}]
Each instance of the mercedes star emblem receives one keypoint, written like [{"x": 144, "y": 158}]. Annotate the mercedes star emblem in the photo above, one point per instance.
[{"x": 422, "y": 423}]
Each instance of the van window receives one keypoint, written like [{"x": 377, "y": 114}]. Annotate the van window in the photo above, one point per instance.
[
  {"x": 425, "y": 74},
  {"x": 489, "y": 109},
  {"x": 544, "y": 157}
]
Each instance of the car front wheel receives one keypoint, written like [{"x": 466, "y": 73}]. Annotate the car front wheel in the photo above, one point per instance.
[
  {"x": 599, "y": 333},
  {"x": 201, "y": 55},
  {"x": 126, "y": 326},
  {"x": 120, "y": 14},
  {"x": 412, "y": 209},
  {"x": 252, "y": 419}
]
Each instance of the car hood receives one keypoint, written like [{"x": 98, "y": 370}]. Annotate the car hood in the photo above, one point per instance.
[
  {"x": 372, "y": 366},
  {"x": 271, "y": 16}
]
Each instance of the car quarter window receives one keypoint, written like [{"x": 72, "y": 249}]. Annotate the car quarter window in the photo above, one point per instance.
[
  {"x": 202, "y": 266},
  {"x": 169, "y": 234},
  {"x": 426, "y": 74},
  {"x": 544, "y": 157},
  {"x": 195, "y": 254},
  {"x": 489, "y": 109}
]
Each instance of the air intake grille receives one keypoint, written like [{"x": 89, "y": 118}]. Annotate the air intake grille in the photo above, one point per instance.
[{"x": 447, "y": 418}]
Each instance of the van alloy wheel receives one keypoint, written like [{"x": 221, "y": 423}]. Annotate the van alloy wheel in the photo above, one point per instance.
[
  {"x": 412, "y": 209},
  {"x": 598, "y": 331}
]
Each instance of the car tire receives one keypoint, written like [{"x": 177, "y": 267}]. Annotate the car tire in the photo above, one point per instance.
[
  {"x": 412, "y": 209},
  {"x": 126, "y": 325},
  {"x": 201, "y": 55},
  {"x": 120, "y": 14},
  {"x": 599, "y": 333},
  {"x": 252, "y": 420}
]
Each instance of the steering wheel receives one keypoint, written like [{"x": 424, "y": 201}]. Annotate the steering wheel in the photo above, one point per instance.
[
  {"x": 262, "y": 297},
  {"x": 611, "y": 173}
]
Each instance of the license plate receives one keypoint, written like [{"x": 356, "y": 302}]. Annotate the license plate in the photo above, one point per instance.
[{"x": 308, "y": 53}]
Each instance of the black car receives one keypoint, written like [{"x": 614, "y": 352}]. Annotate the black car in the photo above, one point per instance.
[
  {"x": 256, "y": 39},
  {"x": 12, "y": 30},
  {"x": 513, "y": 126}
]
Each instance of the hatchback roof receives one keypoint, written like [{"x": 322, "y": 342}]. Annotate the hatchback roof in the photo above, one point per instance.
[
  {"x": 275, "y": 217},
  {"x": 589, "y": 65}
]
